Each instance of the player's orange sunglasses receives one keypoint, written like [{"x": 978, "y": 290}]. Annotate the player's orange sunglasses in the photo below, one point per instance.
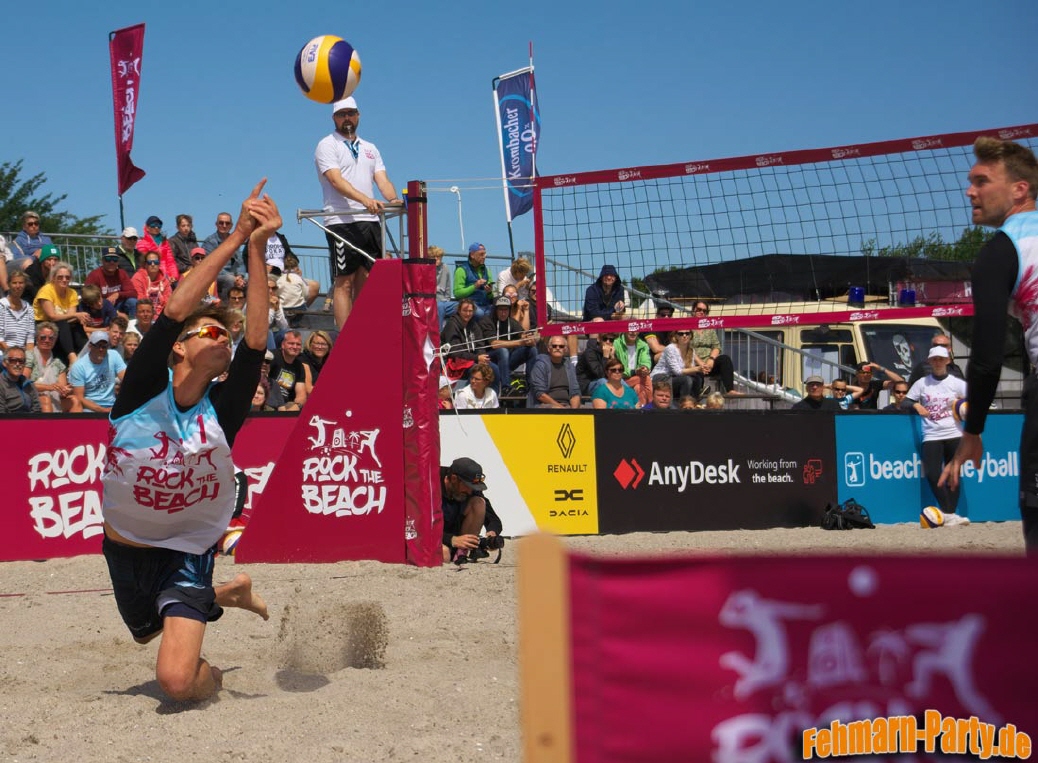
[{"x": 211, "y": 331}]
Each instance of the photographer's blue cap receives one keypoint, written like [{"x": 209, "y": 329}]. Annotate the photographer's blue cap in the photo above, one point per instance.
[{"x": 475, "y": 248}]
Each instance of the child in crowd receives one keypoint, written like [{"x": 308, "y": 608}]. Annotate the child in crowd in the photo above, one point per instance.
[{"x": 100, "y": 310}]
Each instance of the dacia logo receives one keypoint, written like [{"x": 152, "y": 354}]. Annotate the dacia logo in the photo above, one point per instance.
[
  {"x": 557, "y": 513},
  {"x": 577, "y": 494}
]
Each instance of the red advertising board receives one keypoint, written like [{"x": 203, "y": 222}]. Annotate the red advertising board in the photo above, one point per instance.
[
  {"x": 734, "y": 659},
  {"x": 53, "y": 506}
]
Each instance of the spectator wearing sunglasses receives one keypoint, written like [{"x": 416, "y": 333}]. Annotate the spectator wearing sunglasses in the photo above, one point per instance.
[
  {"x": 844, "y": 393},
  {"x": 868, "y": 400},
  {"x": 553, "y": 379},
  {"x": 130, "y": 260},
  {"x": 591, "y": 370},
  {"x": 152, "y": 284},
  {"x": 171, "y": 417},
  {"x": 29, "y": 241},
  {"x": 95, "y": 375},
  {"x": 657, "y": 339},
  {"x": 49, "y": 374},
  {"x": 233, "y": 269},
  {"x": 899, "y": 402},
  {"x": 707, "y": 346},
  {"x": 115, "y": 284},
  {"x": 680, "y": 365},
  {"x": 57, "y": 302},
  {"x": 154, "y": 242},
  {"x": 212, "y": 296},
  {"x": 815, "y": 399},
  {"x": 17, "y": 393},
  {"x": 465, "y": 511},
  {"x": 633, "y": 354}
]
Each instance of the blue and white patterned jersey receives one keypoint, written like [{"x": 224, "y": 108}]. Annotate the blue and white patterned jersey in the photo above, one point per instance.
[
  {"x": 168, "y": 478},
  {"x": 1022, "y": 229}
]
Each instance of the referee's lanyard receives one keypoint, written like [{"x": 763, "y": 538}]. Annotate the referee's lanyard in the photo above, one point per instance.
[{"x": 354, "y": 147}]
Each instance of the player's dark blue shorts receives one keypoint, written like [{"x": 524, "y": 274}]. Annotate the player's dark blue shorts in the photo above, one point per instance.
[{"x": 152, "y": 583}]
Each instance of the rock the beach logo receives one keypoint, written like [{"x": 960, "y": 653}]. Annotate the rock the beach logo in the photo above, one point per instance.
[
  {"x": 342, "y": 473},
  {"x": 65, "y": 496},
  {"x": 802, "y": 659}
]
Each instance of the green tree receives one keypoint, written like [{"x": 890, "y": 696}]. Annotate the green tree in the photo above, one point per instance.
[
  {"x": 934, "y": 247},
  {"x": 18, "y": 195}
]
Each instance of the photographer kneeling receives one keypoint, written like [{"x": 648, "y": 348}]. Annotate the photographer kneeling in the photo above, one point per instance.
[{"x": 465, "y": 512}]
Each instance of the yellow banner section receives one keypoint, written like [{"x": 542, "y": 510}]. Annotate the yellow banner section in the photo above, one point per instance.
[{"x": 552, "y": 460}]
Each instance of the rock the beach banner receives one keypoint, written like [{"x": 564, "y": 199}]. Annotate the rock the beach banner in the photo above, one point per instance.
[
  {"x": 126, "y": 47},
  {"x": 518, "y": 132}
]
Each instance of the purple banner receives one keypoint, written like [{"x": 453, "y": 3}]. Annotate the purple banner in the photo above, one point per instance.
[{"x": 519, "y": 131}]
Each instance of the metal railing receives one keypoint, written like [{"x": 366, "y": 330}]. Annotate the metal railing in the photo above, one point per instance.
[{"x": 84, "y": 254}]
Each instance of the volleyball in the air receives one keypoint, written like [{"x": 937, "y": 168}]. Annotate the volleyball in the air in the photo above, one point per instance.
[
  {"x": 229, "y": 541},
  {"x": 930, "y": 518},
  {"x": 327, "y": 69},
  {"x": 959, "y": 409}
]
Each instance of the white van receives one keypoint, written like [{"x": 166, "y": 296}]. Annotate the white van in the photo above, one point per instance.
[{"x": 775, "y": 359}]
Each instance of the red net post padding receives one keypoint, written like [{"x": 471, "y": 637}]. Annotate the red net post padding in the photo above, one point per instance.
[{"x": 337, "y": 491}]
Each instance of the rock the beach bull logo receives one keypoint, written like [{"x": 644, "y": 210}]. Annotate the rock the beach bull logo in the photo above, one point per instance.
[
  {"x": 342, "y": 473},
  {"x": 806, "y": 663}
]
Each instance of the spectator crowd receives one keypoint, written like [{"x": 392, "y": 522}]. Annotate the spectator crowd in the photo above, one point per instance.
[
  {"x": 78, "y": 330},
  {"x": 66, "y": 337}
]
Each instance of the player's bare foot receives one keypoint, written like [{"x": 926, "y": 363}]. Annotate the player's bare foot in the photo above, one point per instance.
[{"x": 239, "y": 593}]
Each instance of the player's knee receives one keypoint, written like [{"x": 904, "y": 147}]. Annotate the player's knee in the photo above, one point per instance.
[{"x": 177, "y": 682}]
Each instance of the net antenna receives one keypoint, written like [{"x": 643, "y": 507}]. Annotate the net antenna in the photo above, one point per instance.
[
  {"x": 388, "y": 212},
  {"x": 822, "y": 231}
]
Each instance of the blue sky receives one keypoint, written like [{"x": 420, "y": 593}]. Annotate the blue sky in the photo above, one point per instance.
[{"x": 619, "y": 85}]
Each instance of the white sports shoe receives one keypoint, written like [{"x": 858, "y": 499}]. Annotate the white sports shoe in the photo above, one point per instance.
[{"x": 951, "y": 520}]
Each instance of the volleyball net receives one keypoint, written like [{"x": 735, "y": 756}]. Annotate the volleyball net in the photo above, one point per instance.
[{"x": 870, "y": 221}]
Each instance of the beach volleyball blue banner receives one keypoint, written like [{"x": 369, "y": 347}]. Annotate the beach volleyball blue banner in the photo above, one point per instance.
[
  {"x": 881, "y": 467},
  {"x": 519, "y": 131}
]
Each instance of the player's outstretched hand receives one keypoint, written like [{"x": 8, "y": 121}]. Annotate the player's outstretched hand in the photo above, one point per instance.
[
  {"x": 268, "y": 219},
  {"x": 246, "y": 222}
]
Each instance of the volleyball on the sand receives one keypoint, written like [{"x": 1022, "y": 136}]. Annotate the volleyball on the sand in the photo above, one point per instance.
[
  {"x": 327, "y": 69},
  {"x": 931, "y": 517}
]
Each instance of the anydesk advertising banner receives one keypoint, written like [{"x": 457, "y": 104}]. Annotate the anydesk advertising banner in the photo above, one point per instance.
[
  {"x": 519, "y": 130},
  {"x": 126, "y": 48},
  {"x": 668, "y": 470}
]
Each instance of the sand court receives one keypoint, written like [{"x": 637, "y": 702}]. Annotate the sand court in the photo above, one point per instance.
[{"x": 360, "y": 661}]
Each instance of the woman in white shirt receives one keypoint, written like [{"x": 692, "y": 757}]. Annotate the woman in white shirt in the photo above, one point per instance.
[
  {"x": 477, "y": 395},
  {"x": 933, "y": 398},
  {"x": 680, "y": 364}
]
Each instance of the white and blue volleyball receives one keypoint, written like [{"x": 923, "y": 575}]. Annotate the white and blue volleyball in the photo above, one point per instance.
[
  {"x": 930, "y": 518},
  {"x": 327, "y": 69}
]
